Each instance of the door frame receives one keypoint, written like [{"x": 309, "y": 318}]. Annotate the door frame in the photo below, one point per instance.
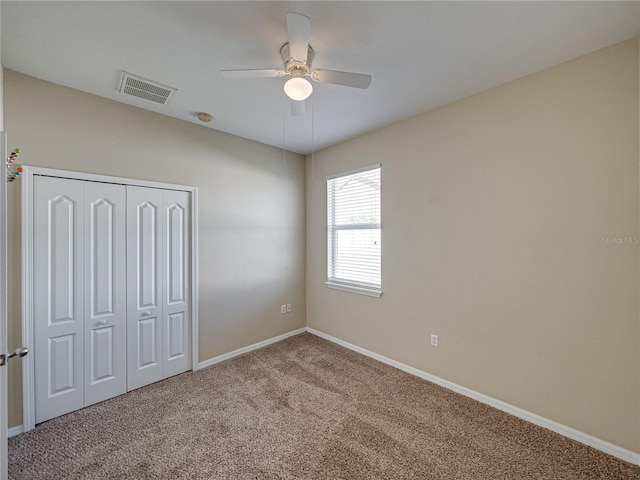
[
  {"x": 3, "y": 305},
  {"x": 28, "y": 366}
]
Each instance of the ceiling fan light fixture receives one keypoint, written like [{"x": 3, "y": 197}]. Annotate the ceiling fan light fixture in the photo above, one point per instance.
[{"x": 298, "y": 88}]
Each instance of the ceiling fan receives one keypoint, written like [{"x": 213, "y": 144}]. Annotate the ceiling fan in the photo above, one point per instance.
[{"x": 297, "y": 56}]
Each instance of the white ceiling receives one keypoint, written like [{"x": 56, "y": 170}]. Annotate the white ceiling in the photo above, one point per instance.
[{"x": 421, "y": 55}]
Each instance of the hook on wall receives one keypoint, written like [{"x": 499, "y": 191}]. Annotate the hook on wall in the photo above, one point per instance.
[{"x": 12, "y": 175}]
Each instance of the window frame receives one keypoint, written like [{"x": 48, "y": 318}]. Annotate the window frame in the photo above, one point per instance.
[{"x": 362, "y": 288}]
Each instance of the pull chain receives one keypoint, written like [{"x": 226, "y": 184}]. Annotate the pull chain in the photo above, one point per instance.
[
  {"x": 284, "y": 151},
  {"x": 313, "y": 146}
]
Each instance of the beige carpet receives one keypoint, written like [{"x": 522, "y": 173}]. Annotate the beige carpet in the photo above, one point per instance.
[{"x": 303, "y": 408}]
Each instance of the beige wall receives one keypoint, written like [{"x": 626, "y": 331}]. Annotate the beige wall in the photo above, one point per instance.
[
  {"x": 496, "y": 214},
  {"x": 251, "y": 217}
]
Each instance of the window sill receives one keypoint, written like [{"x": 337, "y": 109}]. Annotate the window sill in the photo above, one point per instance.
[{"x": 369, "y": 291}]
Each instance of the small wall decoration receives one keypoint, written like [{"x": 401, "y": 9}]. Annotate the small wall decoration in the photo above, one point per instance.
[{"x": 13, "y": 174}]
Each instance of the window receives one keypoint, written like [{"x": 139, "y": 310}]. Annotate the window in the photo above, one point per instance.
[{"x": 353, "y": 233}]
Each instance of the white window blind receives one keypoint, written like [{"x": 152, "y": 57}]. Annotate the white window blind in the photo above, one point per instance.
[{"x": 353, "y": 221}]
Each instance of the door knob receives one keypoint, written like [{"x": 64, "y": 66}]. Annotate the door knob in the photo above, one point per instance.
[
  {"x": 18, "y": 352},
  {"x": 145, "y": 314},
  {"x": 101, "y": 323}
]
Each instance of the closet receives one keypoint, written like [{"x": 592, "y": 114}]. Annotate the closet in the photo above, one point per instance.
[{"x": 111, "y": 290}]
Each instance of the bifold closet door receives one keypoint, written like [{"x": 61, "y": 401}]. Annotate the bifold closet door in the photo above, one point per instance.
[
  {"x": 176, "y": 352},
  {"x": 58, "y": 219},
  {"x": 111, "y": 276},
  {"x": 105, "y": 306},
  {"x": 158, "y": 273},
  {"x": 145, "y": 224},
  {"x": 79, "y": 309}
]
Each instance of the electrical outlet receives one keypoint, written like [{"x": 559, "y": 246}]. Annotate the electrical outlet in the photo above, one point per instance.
[
  {"x": 434, "y": 340},
  {"x": 283, "y": 309},
  {"x": 288, "y": 308}
]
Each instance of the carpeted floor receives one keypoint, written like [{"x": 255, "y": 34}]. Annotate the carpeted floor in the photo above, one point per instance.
[{"x": 303, "y": 408}]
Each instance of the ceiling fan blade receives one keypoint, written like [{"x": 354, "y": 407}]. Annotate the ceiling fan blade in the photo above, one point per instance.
[
  {"x": 256, "y": 73},
  {"x": 357, "y": 80},
  {"x": 299, "y": 29},
  {"x": 298, "y": 108}
]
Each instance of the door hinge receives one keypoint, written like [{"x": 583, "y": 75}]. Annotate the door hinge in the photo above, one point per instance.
[{"x": 18, "y": 352}]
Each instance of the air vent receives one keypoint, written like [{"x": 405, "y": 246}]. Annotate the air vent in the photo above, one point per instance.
[{"x": 146, "y": 89}]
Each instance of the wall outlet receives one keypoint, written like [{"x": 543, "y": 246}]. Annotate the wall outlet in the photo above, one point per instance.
[
  {"x": 288, "y": 308},
  {"x": 434, "y": 340},
  {"x": 283, "y": 309}
]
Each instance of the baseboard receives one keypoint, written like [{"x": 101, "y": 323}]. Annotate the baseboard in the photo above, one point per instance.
[
  {"x": 243, "y": 350},
  {"x": 598, "y": 444},
  {"x": 15, "y": 431}
]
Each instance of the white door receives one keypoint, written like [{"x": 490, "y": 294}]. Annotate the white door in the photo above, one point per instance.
[
  {"x": 58, "y": 218},
  {"x": 105, "y": 312},
  {"x": 3, "y": 306},
  {"x": 176, "y": 285},
  {"x": 145, "y": 223},
  {"x": 4, "y": 355},
  {"x": 110, "y": 287},
  {"x": 79, "y": 262},
  {"x": 158, "y": 284}
]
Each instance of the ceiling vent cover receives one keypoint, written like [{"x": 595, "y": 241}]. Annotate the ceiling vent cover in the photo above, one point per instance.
[{"x": 143, "y": 88}]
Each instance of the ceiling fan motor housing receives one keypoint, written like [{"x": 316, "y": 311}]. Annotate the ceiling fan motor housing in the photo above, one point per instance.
[{"x": 294, "y": 66}]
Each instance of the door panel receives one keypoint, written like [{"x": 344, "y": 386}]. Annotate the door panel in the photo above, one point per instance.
[
  {"x": 103, "y": 265},
  {"x": 105, "y": 307},
  {"x": 62, "y": 259},
  {"x": 102, "y": 359},
  {"x": 58, "y": 217},
  {"x": 62, "y": 365},
  {"x": 176, "y": 268},
  {"x": 176, "y": 341},
  {"x": 147, "y": 241},
  {"x": 144, "y": 264},
  {"x": 177, "y": 256},
  {"x": 147, "y": 343}
]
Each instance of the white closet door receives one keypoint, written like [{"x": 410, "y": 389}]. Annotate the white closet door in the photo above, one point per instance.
[
  {"x": 58, "y": 217},
  {"x": 144, "y": 286},
  {"x": 176, "y": 285},
  {"x": 105, "y": 327}
]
